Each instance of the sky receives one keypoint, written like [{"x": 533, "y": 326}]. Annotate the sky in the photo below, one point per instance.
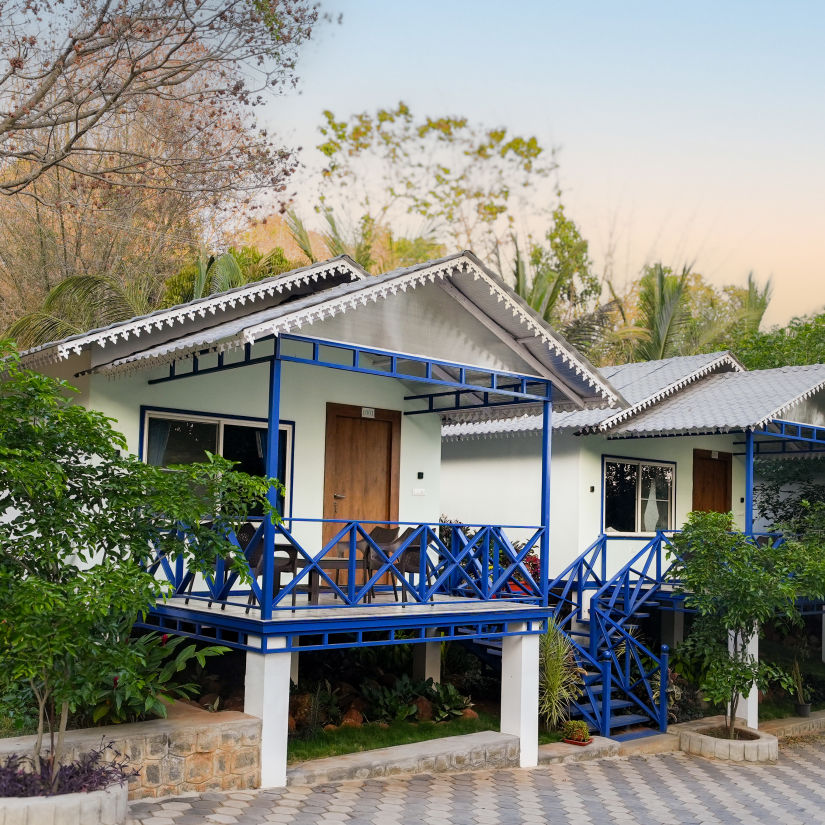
[{"x": 687, "y": 132}]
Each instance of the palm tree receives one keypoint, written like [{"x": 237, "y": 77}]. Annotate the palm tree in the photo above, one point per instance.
[
  {"x": 82, "y": 302},
  {"x": 663, "y": 312}
]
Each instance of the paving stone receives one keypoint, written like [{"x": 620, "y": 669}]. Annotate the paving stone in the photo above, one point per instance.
[{"x": 672, "y": 788}]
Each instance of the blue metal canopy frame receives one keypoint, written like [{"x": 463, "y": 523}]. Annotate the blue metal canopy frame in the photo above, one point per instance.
[
  {"x": 490, "y": 387},
  {"x": 785, "y": 432}
]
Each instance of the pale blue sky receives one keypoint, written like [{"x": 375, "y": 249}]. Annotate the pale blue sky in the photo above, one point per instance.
[{"x": 688, "y": 132}]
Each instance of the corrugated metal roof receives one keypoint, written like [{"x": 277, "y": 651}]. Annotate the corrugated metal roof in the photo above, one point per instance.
[
  {"x": 642, "y": 384},
  {"x": 464, "y": 278},
  {"x": 313, "y": 277},
  {"x": 727, "y": 402}
]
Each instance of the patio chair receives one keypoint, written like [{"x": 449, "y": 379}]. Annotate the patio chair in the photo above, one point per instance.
[
  {"x": 286, "y": 563},
  {"x": 381, "y": 535},
  {"x": 409, "y": 561}
]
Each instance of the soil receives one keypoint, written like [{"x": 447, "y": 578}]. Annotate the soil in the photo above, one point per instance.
[{"x": 722, "y": 733}]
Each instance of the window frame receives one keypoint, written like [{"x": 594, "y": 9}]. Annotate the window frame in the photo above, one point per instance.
[
  {"x": 622, "y": 459},
  {"x": 221, "y": 419}
]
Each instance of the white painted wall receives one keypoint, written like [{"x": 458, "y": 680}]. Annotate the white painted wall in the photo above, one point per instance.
[
  {"x": 502, "y": 476},
  {"x": 304, "y": 395}
]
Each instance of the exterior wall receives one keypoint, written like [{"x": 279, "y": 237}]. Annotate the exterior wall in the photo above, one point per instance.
[
  {"x": 478, "y": 474},
  {"x": 192, "y": 750},
  {"x": 305, "y": 391}
]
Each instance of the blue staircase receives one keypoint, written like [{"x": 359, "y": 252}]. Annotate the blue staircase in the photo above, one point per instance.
[{"x": 624, "y": 683}]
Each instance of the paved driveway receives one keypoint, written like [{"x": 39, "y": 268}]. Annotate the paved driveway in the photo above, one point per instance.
[{"x": 669, "y": 788}]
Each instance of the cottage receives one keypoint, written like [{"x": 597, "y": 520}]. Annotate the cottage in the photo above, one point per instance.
[
  {"x": 336, "y": 382},
  {"x": 687, "y": 436}
]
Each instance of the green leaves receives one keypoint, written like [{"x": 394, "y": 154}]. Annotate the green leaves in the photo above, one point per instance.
[
  {"x": 736, "y": 583},
  {"x": 82, "y": 523}
]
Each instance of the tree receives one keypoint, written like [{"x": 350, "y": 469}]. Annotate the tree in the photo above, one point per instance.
[
  {"x": 802, "y": 341},
  {"x": 735, "y": 584},
  {"x": 373, "y": 246},
  {"x": 73, "y": 74},
  {"x": 81, "y": 522},
  {"x": 460, "y": 179}
]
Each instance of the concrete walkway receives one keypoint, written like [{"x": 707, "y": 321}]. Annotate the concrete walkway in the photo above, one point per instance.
[{"x": 639, "y": 790}]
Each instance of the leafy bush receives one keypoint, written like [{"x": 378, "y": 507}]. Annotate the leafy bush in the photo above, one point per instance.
[
  {"x": 146, "y": 683},
  {"x": 446, "y": 700},
  {"x": 83, "y": 522},
  {"x": 560, "y": 677},
  {"x": 18, "y": 710},
  {"x": 576, "y": 729},
  {"x": 385, "y": 704},
  {"x": 19, "y": 777}
]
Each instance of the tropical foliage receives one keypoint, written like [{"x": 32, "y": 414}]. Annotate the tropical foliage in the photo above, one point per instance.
[
  {"x": 560, "y": 677},
  {"x": 735, "y": 584},
  {"x": 82, "y": 520}
]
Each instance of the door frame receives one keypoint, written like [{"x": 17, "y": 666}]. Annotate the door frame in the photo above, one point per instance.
[{"x": 394, "y": 417}]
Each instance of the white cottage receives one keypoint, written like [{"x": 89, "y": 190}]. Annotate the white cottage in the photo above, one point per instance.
[{"x": 336, "y": 382}]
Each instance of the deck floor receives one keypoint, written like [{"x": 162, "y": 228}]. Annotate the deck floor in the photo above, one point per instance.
[{"x": 383, "y": 606}]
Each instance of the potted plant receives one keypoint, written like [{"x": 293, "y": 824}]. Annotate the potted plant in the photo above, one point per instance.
[
  {"x": 803, "y": 706},
  {"x": 576, "y": 732}
]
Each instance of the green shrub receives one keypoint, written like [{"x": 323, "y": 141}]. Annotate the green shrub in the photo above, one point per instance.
[
  {"x": 560, "y": 677},
  {"x": 446, "y": 700}
]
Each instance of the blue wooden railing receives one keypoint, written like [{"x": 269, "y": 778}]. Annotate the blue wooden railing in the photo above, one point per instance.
[{"x": 433, "y": 562}]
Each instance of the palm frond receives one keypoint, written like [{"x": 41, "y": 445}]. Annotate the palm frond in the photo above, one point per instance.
[
  {"x": 40, "y": 327},
  {"x": 300, "y": 234}
]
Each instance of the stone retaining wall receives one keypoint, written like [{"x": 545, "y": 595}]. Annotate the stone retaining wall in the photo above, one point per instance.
[{"x": 192, "y": 750}]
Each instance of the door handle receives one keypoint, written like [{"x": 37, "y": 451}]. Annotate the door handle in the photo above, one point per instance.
[{"x": 338, "y": 496}]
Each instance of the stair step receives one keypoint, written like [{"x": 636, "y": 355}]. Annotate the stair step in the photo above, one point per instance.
[
  {"x": 628, "y": 719},
  {"x": 615, "y": 704}
]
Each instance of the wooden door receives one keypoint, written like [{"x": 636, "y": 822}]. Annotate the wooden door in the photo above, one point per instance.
[
  {"x": 361, "y": 465},
  {"x": 712, "y": 481}
]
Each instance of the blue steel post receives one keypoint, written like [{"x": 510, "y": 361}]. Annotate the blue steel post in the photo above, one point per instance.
[
  {"x": 546, "y": 444},
  {"x": 273, "y": 420},
  {"x": 664, "y": 674},
  {"x": 749, "y": 481}
]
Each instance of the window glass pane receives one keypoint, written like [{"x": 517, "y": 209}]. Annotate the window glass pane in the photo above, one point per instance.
[
  {"x": 620, "y": 483},
  {"x": 247, "y": 445},
  {"x": 656, "y": 491},
  {"x": 179, "y": 442}
]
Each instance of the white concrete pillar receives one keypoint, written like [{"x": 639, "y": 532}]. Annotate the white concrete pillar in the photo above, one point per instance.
[
  {"x": 748, "y": 708},
  {"x": 520, "y": 692},
  {"x": 427, "y": 659},
  {"x": 266, "y": 695}
]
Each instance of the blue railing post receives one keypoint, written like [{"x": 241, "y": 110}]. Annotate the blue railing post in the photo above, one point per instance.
[
  {"x": 423, "y": 543},
  {"x": 351, "y": 562},
  {"x": 273, "y": 421},
  {"x": 546, "y": 446},
  {"x": 664, "y": 664},
  {"x": 604, "y": 730},
  {"x": 749, "y": 481}
]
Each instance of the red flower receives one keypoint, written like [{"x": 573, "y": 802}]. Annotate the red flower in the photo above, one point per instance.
[
  {"x": 164, "y": 639},
  {"x": 114, "y": 681}
]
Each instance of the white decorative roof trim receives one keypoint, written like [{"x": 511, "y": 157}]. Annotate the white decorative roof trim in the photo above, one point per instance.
[
  {"x": 188, "y": 312},
  {"x": 411, "y": 280},
  {"x": 725, "y": 360},
  {"x": 799, "y": 398}
]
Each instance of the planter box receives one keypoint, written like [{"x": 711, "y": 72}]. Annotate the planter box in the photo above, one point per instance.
[
  {"x": 764, "y": 747},
  {"x": 106, "y": 807}
]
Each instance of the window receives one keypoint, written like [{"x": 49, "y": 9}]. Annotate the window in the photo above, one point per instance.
[
  {"x": 179, "y": 438},
  {"x": 638, "y": 496}
]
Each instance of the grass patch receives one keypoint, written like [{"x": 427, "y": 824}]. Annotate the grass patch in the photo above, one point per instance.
[
  {"x": 546, "y": 737},
  {"x": 369, "y": 737}
]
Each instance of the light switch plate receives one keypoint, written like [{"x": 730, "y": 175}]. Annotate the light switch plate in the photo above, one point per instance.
[{"x": 419, "y": 491}]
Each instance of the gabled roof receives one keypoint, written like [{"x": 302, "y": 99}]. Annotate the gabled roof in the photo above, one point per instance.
[
  {"x": 642, "y": 384},
  {"x": 727, "y": 402},
  {"x": 268, "y": 291},
  {"x": 465, "y": 287}
]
